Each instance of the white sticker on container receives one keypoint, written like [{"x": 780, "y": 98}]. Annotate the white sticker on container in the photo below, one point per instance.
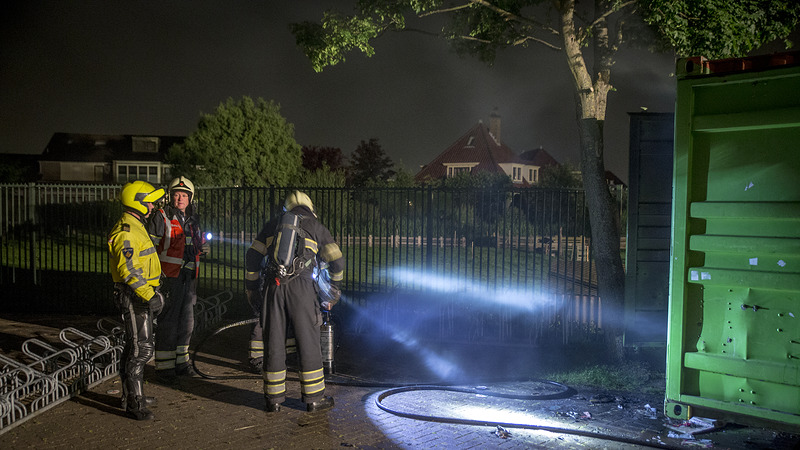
[
  {"x": 705, "y": 276},
  {"x": 693, "y": 275},
  {"x": 753, "y": 261},
  {"x": 749, "y": 186},
  {"x": 781, "y": 263}
]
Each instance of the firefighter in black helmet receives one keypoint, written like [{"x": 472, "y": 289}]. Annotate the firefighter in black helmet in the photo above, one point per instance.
[
  {"x": 291, "y": 298},
  {"x": 136, "y": 270}
]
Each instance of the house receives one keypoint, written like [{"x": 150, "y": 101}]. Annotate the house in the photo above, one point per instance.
[
  {"x": 93, "y": 158},
  {"x": 481, "y": 150}
]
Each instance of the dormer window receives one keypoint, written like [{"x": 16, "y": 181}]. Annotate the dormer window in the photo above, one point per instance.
[{"x": 457, "y": 168}]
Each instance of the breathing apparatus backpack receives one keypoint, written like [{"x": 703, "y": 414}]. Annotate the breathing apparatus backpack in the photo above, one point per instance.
[{"x": 287, "y": 259}]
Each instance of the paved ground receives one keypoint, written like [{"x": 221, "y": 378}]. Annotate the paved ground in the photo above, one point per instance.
[{"x": 227, "y": 411}]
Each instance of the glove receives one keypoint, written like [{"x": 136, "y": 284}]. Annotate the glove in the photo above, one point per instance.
[{"x": 156, "y": 303}]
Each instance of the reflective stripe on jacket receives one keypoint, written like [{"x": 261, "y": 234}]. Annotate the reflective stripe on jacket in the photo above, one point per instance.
[
  {"x": 172, "y": 246},
  {"x": 132, "y": 257}
]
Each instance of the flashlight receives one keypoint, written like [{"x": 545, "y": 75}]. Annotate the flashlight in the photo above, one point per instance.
[{"x": 209, "y": 236}]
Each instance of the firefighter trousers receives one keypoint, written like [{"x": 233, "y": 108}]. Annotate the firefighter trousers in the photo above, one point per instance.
[
  {"x": 293, "y": 304},
  {"x": 176, "y": 321}
]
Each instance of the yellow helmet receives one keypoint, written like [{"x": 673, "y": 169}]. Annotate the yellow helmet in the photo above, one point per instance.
[
  {"x": 297, "y": 198},
  {"x": 135, "y": 194},
  {"x": 182, "y": 184}
]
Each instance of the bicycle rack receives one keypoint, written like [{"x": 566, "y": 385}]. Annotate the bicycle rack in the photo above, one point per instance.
[
  {"x": 51, "y": 375},
  {"x": 209, "y": 311}
]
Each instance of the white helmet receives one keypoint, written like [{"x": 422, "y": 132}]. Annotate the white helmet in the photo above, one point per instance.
[
  {"x": 297, "y": 198},
  {"x": 182, "y": 184}
]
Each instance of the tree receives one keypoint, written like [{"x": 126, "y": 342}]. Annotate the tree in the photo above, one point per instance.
[
  {"x": 243, "y": 143},
  {"x": 589, "y": 37},
  {"x": 316, "y": 157},
  {"x": 370, "y": 162},
  {"x": 559, "y": 176},
  {"x": 324, "y": 177}
]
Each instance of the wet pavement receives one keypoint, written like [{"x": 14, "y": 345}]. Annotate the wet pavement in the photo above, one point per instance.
[{"x": 383, "y": 400}]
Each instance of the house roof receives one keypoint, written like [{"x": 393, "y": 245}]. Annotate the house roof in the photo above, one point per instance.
[
  {"x": 538, "y": 157},
  {"x": 614, "y": 180},
  {"x": 102, "y": 148},
  {"x": 477, "y": 145}
]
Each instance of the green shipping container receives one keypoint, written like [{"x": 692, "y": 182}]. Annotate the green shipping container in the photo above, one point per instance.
[{"x": 733, "y": 338}]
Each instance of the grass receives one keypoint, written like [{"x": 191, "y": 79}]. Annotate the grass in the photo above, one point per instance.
[{"x": 628, "y": 375}]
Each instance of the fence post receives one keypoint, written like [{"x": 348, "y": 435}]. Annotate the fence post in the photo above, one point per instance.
[
  {"x": 429, "y": 225},
  {"x": 32, "y": 217}
]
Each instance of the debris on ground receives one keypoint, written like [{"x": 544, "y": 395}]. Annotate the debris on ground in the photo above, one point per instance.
[
  {"x": 702, "y": 443},
  {"x": 648, "y": 411},
  {"x": 695, "y": 425},
  {"x": 586, "y": 415},
  {"x": 502, "y": 433}
]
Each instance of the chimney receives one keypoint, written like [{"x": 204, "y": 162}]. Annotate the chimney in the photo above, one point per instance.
[{"x": 494, "y": 125}]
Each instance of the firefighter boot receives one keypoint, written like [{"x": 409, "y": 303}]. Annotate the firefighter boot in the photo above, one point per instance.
[
  {"x": 148, "y": 401},
  {"x": 320, "y": 405},
  {"x": 272, "y": 406},
  {"x": 136, "y": 405}
]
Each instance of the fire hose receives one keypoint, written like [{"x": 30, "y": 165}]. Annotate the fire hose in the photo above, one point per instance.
[{"x": 394, "y": 388}]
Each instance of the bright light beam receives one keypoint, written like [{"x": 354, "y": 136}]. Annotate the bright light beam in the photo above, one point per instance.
[{"x": 474, "y": 292}]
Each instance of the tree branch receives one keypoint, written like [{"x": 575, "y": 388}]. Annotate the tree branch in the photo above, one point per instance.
[
  {"x": 605, "y": 15},
  {"x": 511, "y": 16},
  {"x": 443, "y": 11},
  {"x": 531, "y": 38}
]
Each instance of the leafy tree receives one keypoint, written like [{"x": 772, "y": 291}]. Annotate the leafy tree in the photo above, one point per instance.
[
  {"x": 324, "y": 177},
  {"x": 479, "y": 180},
  {"x": 559, "y": 176},
  {"x": 718, "y": 28},
  {"x": 403, "y": 178},
  {"x": 243, "y": 143},
  {"x": 588, "y": 35},
  {"x": 12, "y": 172},
  {"x": 315, "y": 157},
  {"x": 370, "y": 162}
]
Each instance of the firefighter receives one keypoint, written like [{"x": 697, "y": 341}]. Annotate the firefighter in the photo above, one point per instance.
[
  {"x": 136, "y": 270},
  {"x": 179, "y": 241},
  {"x": 291, "y": 300}
]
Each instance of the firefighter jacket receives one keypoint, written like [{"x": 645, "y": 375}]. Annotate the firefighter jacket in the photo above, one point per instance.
[
  {"x": 178, "y": 240},
  {"x": 132, "y": 257},
  {"x": 316, "y": 242}
]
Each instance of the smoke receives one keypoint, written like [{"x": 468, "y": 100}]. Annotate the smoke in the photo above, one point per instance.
[{"x": 441, "y": 323}]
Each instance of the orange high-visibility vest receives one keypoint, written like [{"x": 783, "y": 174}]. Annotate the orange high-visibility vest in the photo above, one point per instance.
[{"x": 172, "y": 246}]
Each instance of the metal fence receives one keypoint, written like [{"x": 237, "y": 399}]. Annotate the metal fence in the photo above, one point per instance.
[{"x": 506, "y": 264}]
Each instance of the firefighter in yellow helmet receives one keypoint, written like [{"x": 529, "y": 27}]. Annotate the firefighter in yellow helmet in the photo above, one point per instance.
[
  {"x": 292, "y": 244},
  {"x": 135, "y": 270},
  {"x": 179, "y": 241}
]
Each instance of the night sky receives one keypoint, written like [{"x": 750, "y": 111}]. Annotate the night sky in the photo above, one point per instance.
[{"x": 152, "y": 67}]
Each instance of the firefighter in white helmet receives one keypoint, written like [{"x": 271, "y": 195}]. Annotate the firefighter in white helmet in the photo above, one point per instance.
[
  {"x": 290, "y": 296},
  {"x": 136, "y": 270},
  {"x": 179, "y": 241}
]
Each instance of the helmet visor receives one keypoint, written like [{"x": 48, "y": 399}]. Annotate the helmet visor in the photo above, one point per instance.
[{"x": 153, "y": 197}]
